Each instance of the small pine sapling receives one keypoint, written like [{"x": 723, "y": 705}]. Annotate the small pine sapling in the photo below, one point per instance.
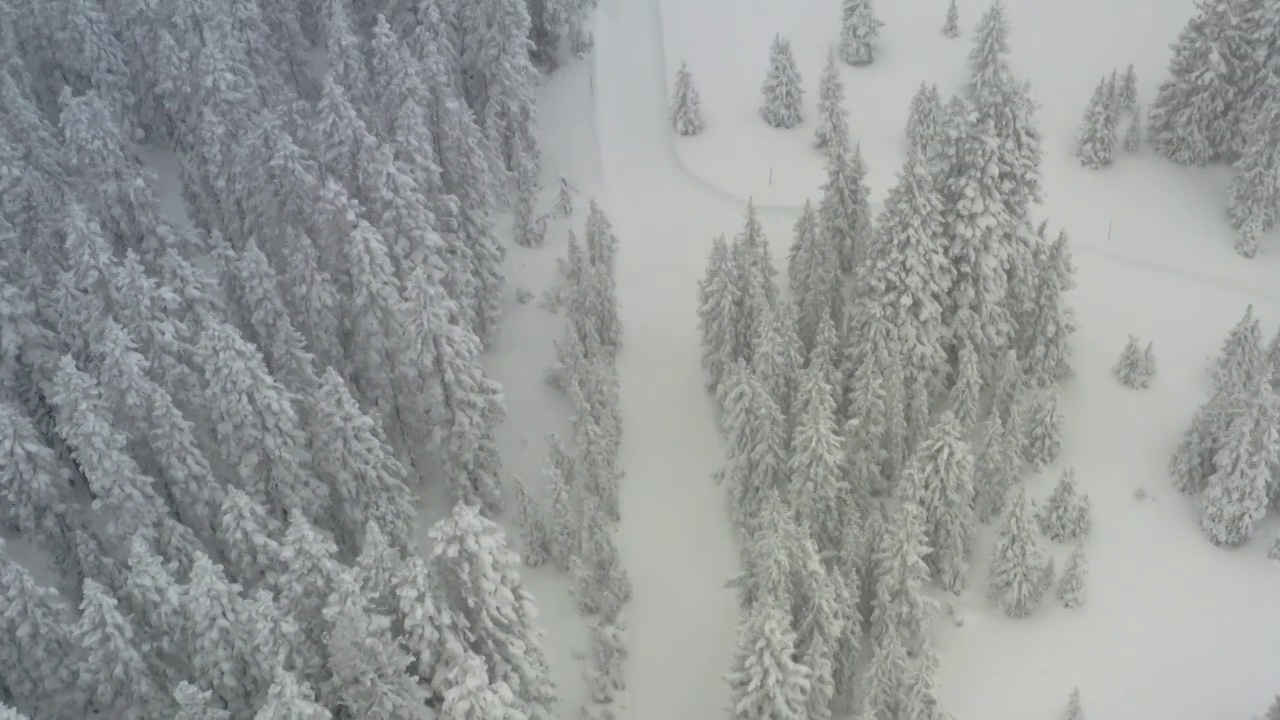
[
  {"x": 783, "y": 93},
  {"x": 1066, "y": 514},
  {"x": 533, "y": 527},
  {"x": 951, "y": 28},
  {"x": 564, "y": 199},
  {"x": 1136, "y": 366},
  {"x": 1071, "y": 586},
  {"x": 1044, "y": 432},
  {"x": 1073, "y": 711},
  {"x": 1096, "y": 143},
  {"x": 686, "y": 106},
  {"x": 1133, "y": 134}
]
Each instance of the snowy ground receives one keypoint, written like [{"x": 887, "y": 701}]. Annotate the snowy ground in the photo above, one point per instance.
[{"x": 1173, "y": 628}]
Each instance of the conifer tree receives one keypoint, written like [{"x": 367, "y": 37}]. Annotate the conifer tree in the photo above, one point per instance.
[
  {"x": 1021, "y": 572},
  {"x": 1066, "y": 514},
  {"x": 1132, "y": 139},
  {"x": 924, "y": 118},
  {"x": 833, "y": 118},
  {"x": 1045, "y": 351},
  {"x": 1240, "y": 360},
  {"x": 951, "y": 28},
  {"x": 966, "y": 391},
  {"x": 1071, "y": 586},
  {"x": 564, "y": 525},
  {"x": 1236, "y": 494},
  {"x": 110, "y": 669},
  {"x": 308, "y": 564},
  {"x": 783, "y": 93},
  {"x": 859, "y": 32},
  {"x": 1044, "y": 430},
  {"x": 194, "y": 704},
  {"x": 813, "y": 270},
  {"x": 686, "y": 106},
  {"x": 1133, "y": 369},
  {"x": 989, "y": 71},
  {"x": 1253, "y": 195},
  {"x": 608, "y": 654},
  {"x": 942, "y": 470},
  {"x": 32, "y": 479},
  {"x": 1096, "y": 142},
  {"x": 765, "y": 681},
  {"x": 535, "y": 546},
  {"x": 885, "y": 691},
  {"x": 248, "y": 538},
  {"x": 288, "y": 699},
  {"x": 817, "y": 460},
  {"x": 845, "y": 210},
  {"x": 36, "y": 670},
  {"x": 901, "y": 572}
]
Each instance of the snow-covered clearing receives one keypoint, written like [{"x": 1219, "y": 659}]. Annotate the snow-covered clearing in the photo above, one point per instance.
[{"x": 1173, "y": 627}]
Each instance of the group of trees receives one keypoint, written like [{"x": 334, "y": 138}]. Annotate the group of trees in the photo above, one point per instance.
[
  {"x": 216, "y": 423},
  {"x": 1113, "y": 99},
  {"x": 1230, "y": 456},
  {"x": 574, "y": 526},
  {"x": 850, "y": 405},
  {"x": 1221, "y": 102}
]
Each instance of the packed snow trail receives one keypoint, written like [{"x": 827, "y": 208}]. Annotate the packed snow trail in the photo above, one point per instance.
[{"x": 675, "y": 539}]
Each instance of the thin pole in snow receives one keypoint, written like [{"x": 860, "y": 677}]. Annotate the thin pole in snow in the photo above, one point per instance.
[
  {"x": 770, "y": 174},
  {"x": 1108, "y": 232}
]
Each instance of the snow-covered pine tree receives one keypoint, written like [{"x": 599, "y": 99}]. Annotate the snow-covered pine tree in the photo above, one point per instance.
[
  {"x": 289, "y": 699},
  {"x": 1065, "y": 516},
  {"x": 535, "y": 546},
  {"x": 833, "y": 118},
  {"x": 783, "y": 94},
  {"x": 1132, "y": 369},
  {"x": 951, "y": 28},
  {"x": 1096, "y": 141},
  {"x": 1047, "y": 328},
  {"x": 564, "y": 524},
  {"x": 1240, "y": 360},
  {"x": 813, "y": 271},
  {"x": 1071, "y": 586},
  {"x": 859, "y": 32},
  {"x": 884, "y": 685},
  {"x": 36, "y": 669},
  {"x": 765, "y": 680},
  {"x": 32, "y": 479},
  {"x": 776, "y": 355},
  {"x": 924, "y": 119},
  {"x": 110, "y": 670},
  {"x": 1236, "y": 495},
  {"x": 686, "y": 105},
  {"x": 1127, "y": 92},
  {"x": 1044, "y": 430},
  {"x": 1253, "y": 195},
  {"x": 845, "y": 209},
  {"x": 530, "y": 227},
  {"x": 247, "y": 536},
  {"x": 1021, "y": 571},
  {"x": 1132, "y": 139},
  {"x": 901, "y": 572},
  {"x": 942, "y": 469},
  {"x": 966, "y": 390},
  {"x": 195, "y": 704},
  {"x": 605, "y": 677},
  {"x": 816, "y": 467},
  {"x": 477, "y": 571},
  {"x": 989, "y": 71}
]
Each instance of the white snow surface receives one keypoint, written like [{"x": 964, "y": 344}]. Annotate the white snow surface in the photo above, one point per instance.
[{"x": 1172, "y": 628}]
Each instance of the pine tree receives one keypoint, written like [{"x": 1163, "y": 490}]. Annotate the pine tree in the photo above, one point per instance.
[
  {"x": 845, "y": 210},
  {"x": 924, "y": 119},
  {"x": 859, "y": 32},
  {"x": 32, "y": 479},
  {"x": 1133, "y": 369},
  {"x": 1021, "y": 572},
  {"x": 1044, "y": 432},
  {"x": 885, "y": 690},
  {"x": 1132, "y": 140},
  {"x": 783, "y": 93},
  {"x": 535, "y": 546},
  {"x": 220, "y": 645},
  {"x": 1071, "y": 586},
  {"x": 1127, "y": 92},
  {"x": 686, "y": 106},
  {"x": 1048, "y": 326},
  {"x": 833, "y": 118},
  {"x": 989, "y": 71},
  {"x": 1066, "y": 514},
  {"x": 1253, "y": 195},
  {"x": 812, "y": 268},
  {"x": 901, "y": 572},
  {"x": 966, "y": 392},
  {"x": 564, "y": 524},
  {"x": 943, "y": 469},
  {"x": 36, "y": 670},
  {"x": 1096, "y": 143},
  {"x": 951, "y": 28},
  {"x": 605, "y": 677},
  {"x": 246, "y": 535},
  {"x": 110, "y": 670},
  {"x": 1240, "y": 360},
  {"x": 194, "y": 704},
  {"x": 288, "y": 699},
  {"x": 308, "y": 564},
  {"x": 766, "y": 682},
  {"x": 1236, "y": 495},
  {"x": 477, "y": 570},
  {"x": 816, "y": 467}
]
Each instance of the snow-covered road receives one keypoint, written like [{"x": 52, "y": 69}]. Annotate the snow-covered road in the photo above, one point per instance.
[{"x": 676, "y": 539}]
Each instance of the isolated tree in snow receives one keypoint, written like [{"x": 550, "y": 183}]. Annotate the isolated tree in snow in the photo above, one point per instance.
[
  {"x": 900, "y": 574},
  {"x": 783, "y": 93},
  {"x": 859, "y": 32},
  {"x": 530, "y": 229},
  {"x": 1132, "y": 139},
  {"x": 1236, "y": 495},
  {"x": 951, "y": 28},
  {"x": 477, "y": 570},
  {"x": 1065, "y": 516},
  {"x": 1044, "y": 430},
  {"x": 833, "y": 118},
  {"x": 1021, "y": 571},
  {"x": 686, "y": 106},
  {"x": 942, "y": 475},
  {"x": 1253, "y": 195},
  {"x": 288, "y": 699},
  {"x": 1136, "y": 366},
  {"x": 1096, "y": 142},
  {"x": 924, "y": 119},
  {"x": 1071, "y": 586},
  {"x": 765, "y": 681},
  {"x": 110, "y": 670},
  {"x": 845, "y": 209}
]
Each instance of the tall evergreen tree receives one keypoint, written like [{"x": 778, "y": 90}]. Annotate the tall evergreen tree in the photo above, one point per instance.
[
  {"x": 923, "y": 120},
  {"x": 859, "y": 32},
  {"x": 900, "y": 574},
  {"x": 1021, "y": 572},
  {"x": 765, "y": 680},
  {"x": 833, "y": 118},
  {"x": 845, "y": 210},
  {"x": 686, "y": 106},
  {"x": 1236, "y": 494},
  {"x": 942, "y": 475},
  {"x": 1097, "y": 140},
  {"x": 783, "y": 94}
]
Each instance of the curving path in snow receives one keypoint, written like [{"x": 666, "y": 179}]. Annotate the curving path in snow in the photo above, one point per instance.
[{"x": 676, "y": 539}]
